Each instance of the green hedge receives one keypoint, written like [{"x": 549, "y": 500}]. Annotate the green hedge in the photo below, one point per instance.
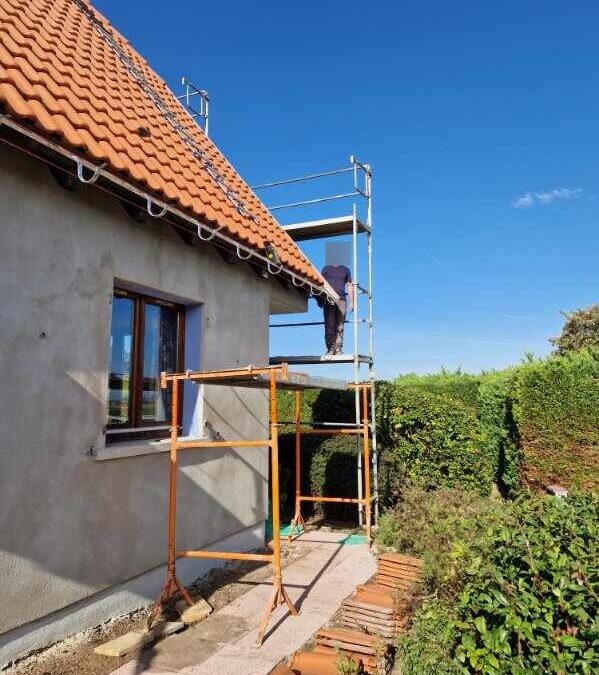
[
  {"x": 329, "y": 464},
  {"x": 457, "y": 386},
  {"x": 556, "y": 409},
  {"x": 430, "y": 441}
]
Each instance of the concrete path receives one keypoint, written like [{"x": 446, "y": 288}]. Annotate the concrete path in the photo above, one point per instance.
[{"x": 225, "y": 643}]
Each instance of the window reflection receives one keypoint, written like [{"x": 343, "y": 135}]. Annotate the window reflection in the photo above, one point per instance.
[
  {"x": 159, "y": 354},
  {"x": 121, "y": 361}
]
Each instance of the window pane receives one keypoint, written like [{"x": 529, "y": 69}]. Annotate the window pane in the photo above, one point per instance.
[
  {"x": 160, "y": 353},
  {"x": 121, "y": 361}
]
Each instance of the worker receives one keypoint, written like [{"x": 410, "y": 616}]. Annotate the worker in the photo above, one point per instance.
[{"x": 339, "y": 278}]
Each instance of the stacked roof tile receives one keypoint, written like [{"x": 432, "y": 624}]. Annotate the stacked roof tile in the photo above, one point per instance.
[{"x": 58, "y": 72}]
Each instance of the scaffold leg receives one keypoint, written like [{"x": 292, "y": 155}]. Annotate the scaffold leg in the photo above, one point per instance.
[
  {"x": 298, "y": 524},
  {"x": 171, "y": 587},
  {"x": 278, "y": 597}
]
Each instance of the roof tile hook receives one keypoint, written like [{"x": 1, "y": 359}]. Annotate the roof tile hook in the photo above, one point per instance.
[
  {"x": 95, "y": 175},
  {"x": 212, "y": 234},
  {"x": 293, "y": 279},
  {"x": 243, "y": 257},
  {"x": 273, "y": 269},
  {"x": 158, "y": 214}
]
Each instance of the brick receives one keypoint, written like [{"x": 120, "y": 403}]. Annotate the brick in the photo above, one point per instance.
[{"x": 197, "y": 612}]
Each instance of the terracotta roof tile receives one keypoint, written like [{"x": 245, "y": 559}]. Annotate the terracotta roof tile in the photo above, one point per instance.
[{"x": 58, "y": 72}]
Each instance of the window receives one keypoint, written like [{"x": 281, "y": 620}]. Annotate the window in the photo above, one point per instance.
[{"x": 146, "y": 338}]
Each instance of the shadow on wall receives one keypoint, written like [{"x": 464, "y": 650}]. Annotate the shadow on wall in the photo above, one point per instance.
[{"x": 71, "y": 527}]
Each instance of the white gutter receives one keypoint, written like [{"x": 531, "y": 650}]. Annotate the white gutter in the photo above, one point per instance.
[{"x": 100, "y": 171}]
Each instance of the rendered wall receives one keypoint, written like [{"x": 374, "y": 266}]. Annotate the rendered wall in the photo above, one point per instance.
[{"x": 71, "y": 526}]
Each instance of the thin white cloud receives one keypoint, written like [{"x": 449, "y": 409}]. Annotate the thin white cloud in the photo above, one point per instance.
[
  {"x": 546, "y": 197},
  {"x": 524, "y": 202}
]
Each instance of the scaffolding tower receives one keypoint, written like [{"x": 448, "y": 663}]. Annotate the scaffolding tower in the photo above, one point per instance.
[{"x": 358, "y": 224}]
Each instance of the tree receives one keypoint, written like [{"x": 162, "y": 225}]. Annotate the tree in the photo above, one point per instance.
[{"x": 580, "y": 330}]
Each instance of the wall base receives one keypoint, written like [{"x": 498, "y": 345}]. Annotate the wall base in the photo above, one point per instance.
[{"x": 116, "y": 601}]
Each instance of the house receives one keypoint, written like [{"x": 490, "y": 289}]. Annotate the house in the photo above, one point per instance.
[{"x": 129, "y": 246}]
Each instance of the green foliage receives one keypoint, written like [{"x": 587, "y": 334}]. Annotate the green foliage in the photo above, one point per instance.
[
  {"x": 556, "y": 408},
  {"x": 500, "y": 434},
  {"x": 426, "y": 649},
  {"x": 431, "y": 442},
  {"x": 530, "y": 604},
  {"x": 333, "y": 472},
  {"x": 580, "y": 330},
  {"x": 456, "y": 385},
  {"x": 523, "y": 584},
  {"x": 443, "y": 528}
]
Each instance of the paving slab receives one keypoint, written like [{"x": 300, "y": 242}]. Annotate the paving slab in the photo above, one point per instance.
[{"x": 225, "y": 642}]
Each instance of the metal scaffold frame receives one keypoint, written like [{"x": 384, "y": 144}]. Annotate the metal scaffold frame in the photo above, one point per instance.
[
  {"x": 270, "y": 378},
  {"x": 264, "y": 377},
  {"x": 361, "y": 431},
  {"x": 355, "y": 225}
]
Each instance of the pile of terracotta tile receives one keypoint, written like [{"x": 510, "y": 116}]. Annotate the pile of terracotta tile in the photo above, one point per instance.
[
  {"x": 370, "y": 619},
  {"x": 378, "y": 606},
  {"x": 318, "y": 663},
  {"x": 374, "y": 653}
]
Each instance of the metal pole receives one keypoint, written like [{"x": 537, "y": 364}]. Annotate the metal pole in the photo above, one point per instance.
[
  {"x": 375, "y": 477},
  {"x": 274, "y": 468},
  {"x": 298, "y": 442},
  {"x": 356, "y": 350},
  {"x": 368, "y": 506}
]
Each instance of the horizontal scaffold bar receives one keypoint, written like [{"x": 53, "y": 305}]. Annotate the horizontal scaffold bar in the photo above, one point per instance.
[
  {"x": 331, "y": 432},
  {"x": 338, "y": 500},
  {"x": 224, "y": 374},
  {"x": 226, "y": 555},
  {"x": 191, "y": 445}
]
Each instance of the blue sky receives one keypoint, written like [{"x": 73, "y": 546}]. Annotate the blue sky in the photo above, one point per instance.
[{"x": 481, "y": 122}]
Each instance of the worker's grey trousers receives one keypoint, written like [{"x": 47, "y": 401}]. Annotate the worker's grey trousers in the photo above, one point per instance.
[{"x": 334, "y": 323}]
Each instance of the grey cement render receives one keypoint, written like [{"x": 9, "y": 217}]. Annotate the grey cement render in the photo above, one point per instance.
[
  {"x": 71, "y": 527},
  {"x": 115, "y": 601}
]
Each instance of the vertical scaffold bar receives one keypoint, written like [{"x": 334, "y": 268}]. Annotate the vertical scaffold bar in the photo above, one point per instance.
[
  {"x": 279, "y": 595},
  {"x": 172, "y": 584},
  {"x": 366, "y": 431},
  {"x": 371, "y": 373},
  {"x": 356, "y": 337},
  {"x": 298, "y": 524}
]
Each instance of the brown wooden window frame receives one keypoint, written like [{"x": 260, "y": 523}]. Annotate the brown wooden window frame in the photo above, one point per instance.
[{"x": 135, "y": 428}]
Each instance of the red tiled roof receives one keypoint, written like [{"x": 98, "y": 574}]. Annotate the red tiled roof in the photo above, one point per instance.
[{"x": 59, "y": 73}]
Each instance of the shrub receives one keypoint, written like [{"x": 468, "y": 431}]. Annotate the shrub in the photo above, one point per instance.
[
  {"x": 444, "y": 528},
  {"x": 523, "y": 584},
  {"x": 556, "y": 409},
  {"x": 431, "y": 442},
  {"x": 530, "y": 605},
  {"x": 427, "y": 648}
]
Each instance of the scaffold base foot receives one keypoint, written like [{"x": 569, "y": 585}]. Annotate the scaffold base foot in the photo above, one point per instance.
[
  {"x": 298, "y": 525},
  {"x": 171, "y": 587},
  {"x": 278, "y": 597}
]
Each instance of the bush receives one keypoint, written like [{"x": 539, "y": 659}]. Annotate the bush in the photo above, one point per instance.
[
  {"x": 556, "y": 409},
  {"x": 443, "y": 528},
  {"x": 430, "y": 443},
  {"x": 516, "y": 585},
  {"x": 426, "y": 649},
  {"x": 530, "y": 606}
]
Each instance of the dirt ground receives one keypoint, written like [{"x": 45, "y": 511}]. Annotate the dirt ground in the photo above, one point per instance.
[{"x": 75, "y": 655}]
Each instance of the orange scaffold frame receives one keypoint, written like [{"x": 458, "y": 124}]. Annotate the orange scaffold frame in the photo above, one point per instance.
[
  {"x": 362, "y": 429},
  {"x": 233, "y": 377}
]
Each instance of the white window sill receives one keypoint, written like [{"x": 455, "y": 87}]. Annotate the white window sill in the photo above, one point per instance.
[{"x": 138, "y": 448}]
